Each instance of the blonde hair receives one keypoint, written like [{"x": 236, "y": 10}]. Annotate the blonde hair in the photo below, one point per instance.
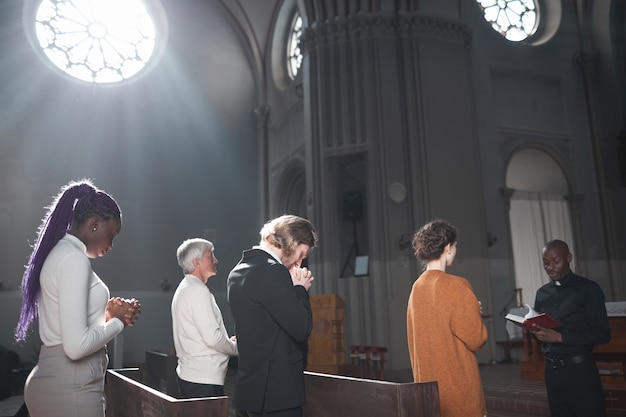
[{"x": 288, "y": 231}]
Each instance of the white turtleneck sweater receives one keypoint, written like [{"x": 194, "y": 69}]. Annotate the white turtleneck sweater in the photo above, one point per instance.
[{"x": 72, "y": 305}]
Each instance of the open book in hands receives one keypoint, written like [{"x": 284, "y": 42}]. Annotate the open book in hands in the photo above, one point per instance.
[{"x": 533, "y": 318}]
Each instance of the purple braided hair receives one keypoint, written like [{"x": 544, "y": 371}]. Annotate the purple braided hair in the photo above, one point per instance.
[{"x": 76, "y": 202}]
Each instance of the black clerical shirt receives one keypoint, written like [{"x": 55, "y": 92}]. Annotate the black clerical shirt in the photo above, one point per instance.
[{"x": 578, "y": 304}]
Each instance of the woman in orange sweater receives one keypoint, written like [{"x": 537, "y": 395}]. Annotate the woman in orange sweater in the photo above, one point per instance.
[{"x": 444, "y": 325}]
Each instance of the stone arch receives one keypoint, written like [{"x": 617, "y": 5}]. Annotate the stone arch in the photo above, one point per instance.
[{"x": 291, "y": 191}]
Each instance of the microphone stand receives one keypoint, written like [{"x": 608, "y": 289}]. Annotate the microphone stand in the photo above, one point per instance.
[{"x": 515, "y": 294}]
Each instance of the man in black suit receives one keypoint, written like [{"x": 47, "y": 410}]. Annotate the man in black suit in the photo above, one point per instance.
[{"x": 269, "y": 301}]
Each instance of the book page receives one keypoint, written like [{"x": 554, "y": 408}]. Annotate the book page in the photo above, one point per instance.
[
  {"x": 513, "y": 317},
  {"x": 531, "y": 312}
]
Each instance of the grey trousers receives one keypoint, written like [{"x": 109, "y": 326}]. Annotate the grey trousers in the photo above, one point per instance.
[{"x": 61, "y": 387}]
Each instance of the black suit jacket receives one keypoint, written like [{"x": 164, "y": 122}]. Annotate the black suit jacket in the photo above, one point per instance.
[{"x": 273, "y": 321}]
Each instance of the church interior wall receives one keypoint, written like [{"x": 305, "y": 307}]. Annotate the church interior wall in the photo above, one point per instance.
[
  {"x": 528, "y": 96},
  {"x": 176, "y": 148},
  {"x": 179, "y": 150}
]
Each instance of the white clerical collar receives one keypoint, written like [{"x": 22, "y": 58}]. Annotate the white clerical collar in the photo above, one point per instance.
[
  {"x": 557, "y": 283},
  {"x": 268, "y": 250}
]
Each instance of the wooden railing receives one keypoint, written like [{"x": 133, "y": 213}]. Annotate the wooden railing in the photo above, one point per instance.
[
  {"x": 127, "y": 397},
  {"x": 339, "y": 396},
  {"x": 327, "y": 396}
]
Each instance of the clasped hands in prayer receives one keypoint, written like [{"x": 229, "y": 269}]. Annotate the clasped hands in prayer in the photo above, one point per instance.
[
  {"x": 126, "y": 310},
  {"x": 301, "y": 276}
]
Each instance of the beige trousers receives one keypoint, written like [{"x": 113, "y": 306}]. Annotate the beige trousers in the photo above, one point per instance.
[{"x": 61, "y": 387}]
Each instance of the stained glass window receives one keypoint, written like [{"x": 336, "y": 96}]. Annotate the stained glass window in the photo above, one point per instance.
[
  {"x": 98, "y": 41},
  {"x": 294, "y": 54},
  {"x": 516, "y": 20}
]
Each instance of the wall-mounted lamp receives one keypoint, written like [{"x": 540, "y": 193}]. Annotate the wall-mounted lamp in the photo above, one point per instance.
[
  {"x": 397, "y": 192},
  {"x": 299, "y": 90},
  {"x": 491, "y": 239},
  {"x": 403, "y": 243}
]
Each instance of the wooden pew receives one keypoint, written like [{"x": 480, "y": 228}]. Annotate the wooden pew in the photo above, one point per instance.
[
  {"x": 127, "y": 397},
  {"x": 611, "y": 357},
  {"x": 327, "y": 396},
  {"x": 13, "y": 407},
  {"x": 340, "y": 396},
  {"x": 159, "y": 372}
]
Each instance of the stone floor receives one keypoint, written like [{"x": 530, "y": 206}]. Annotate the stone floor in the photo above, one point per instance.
[{"x": 507, "y": 395}]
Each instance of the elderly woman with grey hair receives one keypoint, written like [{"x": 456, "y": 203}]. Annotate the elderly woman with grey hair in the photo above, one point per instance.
[{"x": 202, "y": 344}]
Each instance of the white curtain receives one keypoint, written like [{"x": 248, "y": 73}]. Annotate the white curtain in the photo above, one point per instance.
[{"x": 535, "y": 219}]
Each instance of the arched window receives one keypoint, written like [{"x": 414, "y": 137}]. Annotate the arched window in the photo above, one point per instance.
[
  {"x": 97, "y": 41},
  {"x": 294, "y": 54},
  {"x": 516, "y": 20}
]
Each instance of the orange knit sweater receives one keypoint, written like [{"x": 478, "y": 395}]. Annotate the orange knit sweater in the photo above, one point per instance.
[{"x": 445, "y": 329}]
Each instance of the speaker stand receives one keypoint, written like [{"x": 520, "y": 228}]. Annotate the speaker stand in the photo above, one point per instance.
[{"x": 354, "y": 248}]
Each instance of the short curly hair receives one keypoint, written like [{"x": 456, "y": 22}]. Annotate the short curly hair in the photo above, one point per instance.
[{"x": 431, "y": 239}]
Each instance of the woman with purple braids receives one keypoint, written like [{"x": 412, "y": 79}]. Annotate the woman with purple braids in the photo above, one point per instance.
[{"x": 77, "y": 317}]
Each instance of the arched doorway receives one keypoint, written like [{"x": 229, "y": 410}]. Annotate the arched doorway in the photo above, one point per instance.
[{"x": 539, "y": 212}]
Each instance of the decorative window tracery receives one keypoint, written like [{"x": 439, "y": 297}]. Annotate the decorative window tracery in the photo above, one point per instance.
[
  {"x": 294, "y": 53},
  {"x": 516, "y": 20},
  {"x": 98, "y": 41}
]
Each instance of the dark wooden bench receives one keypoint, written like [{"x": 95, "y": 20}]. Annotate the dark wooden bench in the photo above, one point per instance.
[
  {"x": 507, "y": 346},
  {"x": 159, "y": 372},
  {"x": 127, "y": 397},
  {"x": 13, "y": 407},
  {"x": 340, "y": 396},
  {"x": 327, "y": 396},
  {"x": 613, "y": 356}
]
